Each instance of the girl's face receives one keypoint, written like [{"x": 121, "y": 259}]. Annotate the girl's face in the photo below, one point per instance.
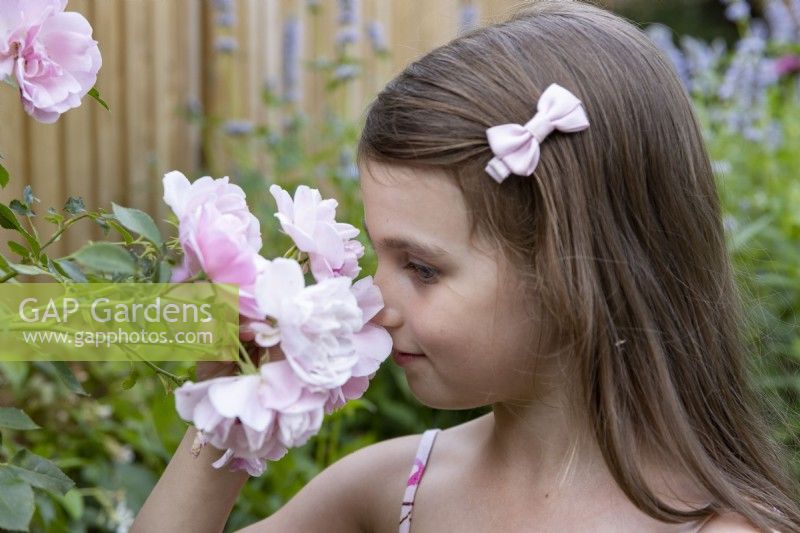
[{"x": 454, "y": 301}]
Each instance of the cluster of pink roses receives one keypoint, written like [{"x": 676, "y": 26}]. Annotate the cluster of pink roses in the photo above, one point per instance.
[
  {"x": 50, "y": 53},
  {"x": 331, "y": 350}
]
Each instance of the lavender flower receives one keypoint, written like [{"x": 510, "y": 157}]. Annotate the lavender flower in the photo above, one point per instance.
[
  {"x": 224, "y": 5},
  {"x": 226, "y": 19},
  {"x": 794, "y": 7},
  {"x": 346, "y": 71},
  {"x": 226, "y": 44},
  {"x": 290, "y": 65},
  {"x": 348, "y": 23},
  {"x": 737, "y": 10},
  {"x": 662, "y": 37},
  {"x": 348, "y": 12},
  {"x": 377, "y": 37},
  {"x": 238, "y": 128},
  {"x": 345, "y": 36},
  {"x": 226, "y": 13},
  {"x": 759, "y": 29},
  {"x": 782, "y": 27},
  {"x": 745, "y": 84},
  {"x": 702, "y": 62},
  {"x": 746, "y": 69},
  {"x": 467, "y": 17}
]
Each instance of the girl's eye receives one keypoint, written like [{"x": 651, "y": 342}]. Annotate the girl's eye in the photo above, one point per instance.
[{"x": 425, "y": 274}]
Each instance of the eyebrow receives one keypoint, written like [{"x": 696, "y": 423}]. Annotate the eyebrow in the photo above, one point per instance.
[{"x": 408, "y": 245}]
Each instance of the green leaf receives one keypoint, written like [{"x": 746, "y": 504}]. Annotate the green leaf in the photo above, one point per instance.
[
  {"x": 106, "y": 257},
  {"x": 53, "y": 216},
  {"x": 15, "y": 372},
  {"x": 30, "y": 270},
  {"x": 74, "y": 205},
  {"x": 126, "y": 236},
  {"x": 71, "y": 270},
  {"x": 138, "y": 222},
  {"x": 16, "y": 501},
  {"x": 94, "y": 93},
  {"x": 72, "y": 502},
  {"x": 4, "y": 264},
  {"x": 20, "y": 208},
  {"x": 9, "y": 220},
  {"x": 4, "y": 176},
  {"x": 130, "y": 381},
  {"x": 18, "y": 249},
  {"x": 62, "y": 371},
  {"x": 56, "y": 270},
  {"x": 44, "y": 508},
  {"x": 39, "y": 472},
  {"x": 13, "y": 418}
]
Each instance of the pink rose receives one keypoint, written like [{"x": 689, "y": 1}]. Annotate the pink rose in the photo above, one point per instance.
[
  {"x": 372, "y": 343},
  {"x": 315, "y": 324},
  {"x": 254, "y": 417},
  {"x": 323, "y": 267},
  {"x": 300, "y": 422},
  {"x": 218, "y": 233},
  {"x": 51, "y": 53},
  {"x": 353, "y": 389},
  {"x": 310, "y": 222}
]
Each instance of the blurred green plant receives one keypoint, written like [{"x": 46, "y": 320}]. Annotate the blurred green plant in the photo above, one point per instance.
[
  {"x": 760, "y": 190},
  {"x": 748, "y": 101}
]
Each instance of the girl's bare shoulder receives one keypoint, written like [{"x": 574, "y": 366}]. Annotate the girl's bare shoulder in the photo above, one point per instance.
[
  {"x": 390, "y": 462},
  {"x": 358, "y": 492}
]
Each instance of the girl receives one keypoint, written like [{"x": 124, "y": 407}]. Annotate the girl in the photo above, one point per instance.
[{"x": 550, "y": 243}]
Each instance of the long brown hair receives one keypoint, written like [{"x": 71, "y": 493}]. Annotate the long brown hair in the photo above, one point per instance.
[{"x": 619, "y": 231}]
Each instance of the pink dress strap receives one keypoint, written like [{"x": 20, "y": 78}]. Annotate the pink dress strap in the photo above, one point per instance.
[{"x": 417, "y": 470}]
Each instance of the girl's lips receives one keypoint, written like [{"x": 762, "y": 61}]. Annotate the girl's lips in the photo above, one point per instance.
[{"x": 402, "y": 358}]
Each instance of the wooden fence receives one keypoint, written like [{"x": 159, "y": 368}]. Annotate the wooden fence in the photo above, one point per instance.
[{"x": 162, "y": 58}]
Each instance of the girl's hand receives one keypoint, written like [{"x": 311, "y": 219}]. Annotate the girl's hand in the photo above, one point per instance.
[{"x": 217, "y": 369}]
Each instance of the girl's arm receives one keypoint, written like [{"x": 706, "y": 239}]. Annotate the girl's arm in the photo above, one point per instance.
[
  {"x": 194, "y": 496},
  {"x": 191, "y": 495}
]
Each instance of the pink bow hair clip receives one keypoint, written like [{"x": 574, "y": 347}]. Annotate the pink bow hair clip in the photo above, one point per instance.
[{"x": 516, "y": 147}]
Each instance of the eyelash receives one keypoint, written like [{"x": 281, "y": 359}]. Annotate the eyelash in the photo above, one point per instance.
[{"x": 418, "y": 269}]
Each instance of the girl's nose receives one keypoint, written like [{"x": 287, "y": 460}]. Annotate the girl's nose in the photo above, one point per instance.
[{"x": 388, "y": 317}]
